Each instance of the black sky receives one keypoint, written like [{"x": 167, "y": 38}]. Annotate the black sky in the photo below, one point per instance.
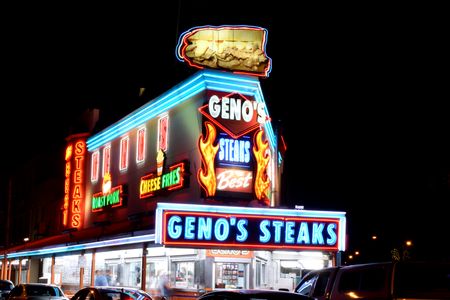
[{"x": 359, "y": 94}]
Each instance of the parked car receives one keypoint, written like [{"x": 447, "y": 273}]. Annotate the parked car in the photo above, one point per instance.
[
  {"x": 389, "y": 280},
  {"x": 110, "y": 293},
  {"x": 5, "y": 288},
  {"x": 249, "y": 294},
  {"x": 36, "y": 291}
]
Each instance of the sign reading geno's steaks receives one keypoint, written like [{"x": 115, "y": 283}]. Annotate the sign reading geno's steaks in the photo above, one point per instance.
[{"x": 206, "y": 229}]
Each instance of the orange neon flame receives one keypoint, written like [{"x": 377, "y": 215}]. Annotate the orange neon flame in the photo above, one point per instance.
[
  {"x": 106, "y": 187},
  {"x": 262, "y": 182},
  {"x": 68, "y": 152},
  {"x": 206, "y": 176}
]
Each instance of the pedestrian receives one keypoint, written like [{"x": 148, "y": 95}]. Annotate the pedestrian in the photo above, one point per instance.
[
  {"x": 164, "y": 286},
  {"x": 100, "y": 279},
  {"x": 109, "y": 277}
]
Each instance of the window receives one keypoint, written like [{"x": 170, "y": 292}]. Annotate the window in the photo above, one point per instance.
[
  {"x": 307, "y": 284},
  {"x": 230, "y": 275},
  {"x": 124, "y": 146},
  {"x": 106, "y": 160},
  {"x": 155, "y": 269},
  {"x": 184, "y": 274},
  {"x": 163, "y": 128},
  {"x": 321, "y": 284},
  {"x": 140, "y": 148},
  {"x": 95, "y": 163},
  {"x": 260, "y": 273}
]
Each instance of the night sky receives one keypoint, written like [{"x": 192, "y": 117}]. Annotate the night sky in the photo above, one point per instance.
[{"x": 358, "y": 94}]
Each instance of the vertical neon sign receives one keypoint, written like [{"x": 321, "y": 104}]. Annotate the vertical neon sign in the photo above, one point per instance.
[
  {"x": 74, "y": 184},
  {"x": 67, "y": 184}
]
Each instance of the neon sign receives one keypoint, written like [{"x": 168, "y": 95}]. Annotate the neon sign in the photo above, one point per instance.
[
  {"x": 262, "y": 157},
  {"x": 74, "y": 181},
  {"x": 234, "y": 180},
  {"x": 211, "y": 229},
  {"x": 207, "y": 174},
  {"x": 233, "y": 152},
  {"x": 234, "y": 113},
  {"x": 67, "y": 185},
  {"x": 108, "y": 197},
  {"x": 240, "y": 49},
  {"x": 153, "y": 184}
]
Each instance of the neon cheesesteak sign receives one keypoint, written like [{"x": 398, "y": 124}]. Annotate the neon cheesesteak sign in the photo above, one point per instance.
[{"x": 234, "y": 151}]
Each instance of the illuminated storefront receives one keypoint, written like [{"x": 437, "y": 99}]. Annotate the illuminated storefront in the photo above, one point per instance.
[{"x": 185, "y": 185}]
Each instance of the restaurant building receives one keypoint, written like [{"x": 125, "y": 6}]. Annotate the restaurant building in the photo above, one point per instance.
[{"x": 186, "y": 185}]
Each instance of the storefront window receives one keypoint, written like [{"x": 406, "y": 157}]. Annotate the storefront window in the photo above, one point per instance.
[
  {"x": 260, "y": 273},
  {"x": 67, "y": 271},
  {"x": 121, "y": 267},
  {"x": 230, "y": 275},
  {"x": 155, "y": 269},
  {"x": 24, "y": 271},
  {"x": 290, "y": 270},
  {"x": 184, "y": 274}
]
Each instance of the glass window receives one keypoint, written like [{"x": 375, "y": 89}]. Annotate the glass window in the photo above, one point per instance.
[
  {"x": 184, "y": 274},
  {"x": 260, "y": 273},
  {"x": 124, "y": 146},
  {"x": 121, "y": 267},
  {"x": 106, "y": 160},
  {"x": 140, "y": 148},
  {"x": 230, "y": 275},
  {"x": 95, "y": 164},
  {"x": 67, "y": 271},
  {"x": 291, "y": 269},
  {"x": 307, "y": 284},
  {"x": 155, "y": 269},
  {"x": 321, "y": 284},
  {"x": 163, "y": 131}
]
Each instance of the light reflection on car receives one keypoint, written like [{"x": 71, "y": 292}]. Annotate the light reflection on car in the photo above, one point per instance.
[
  {"x": 36, "y": 291},
  {"x": 251, "y": 294},
  {"x": 111, "y": 293}
]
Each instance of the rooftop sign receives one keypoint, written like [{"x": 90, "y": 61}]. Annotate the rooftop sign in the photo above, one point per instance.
[{"x": 240, "y": 49}]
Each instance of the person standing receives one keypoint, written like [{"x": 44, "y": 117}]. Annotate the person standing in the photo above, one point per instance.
[
  {"x": 100, "y": 279},
  {"x": 108, "y": 277},
  {"x": 164, "y": 286}
]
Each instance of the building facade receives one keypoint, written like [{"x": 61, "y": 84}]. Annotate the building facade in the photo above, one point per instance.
[{"x": 187, "y": 186}]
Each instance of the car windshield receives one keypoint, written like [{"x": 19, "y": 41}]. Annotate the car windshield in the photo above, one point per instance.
[
  {"x": 5, "y": 285},
  {"x": 37, "y": 290},
  {"x": 127, "y": 295}
]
